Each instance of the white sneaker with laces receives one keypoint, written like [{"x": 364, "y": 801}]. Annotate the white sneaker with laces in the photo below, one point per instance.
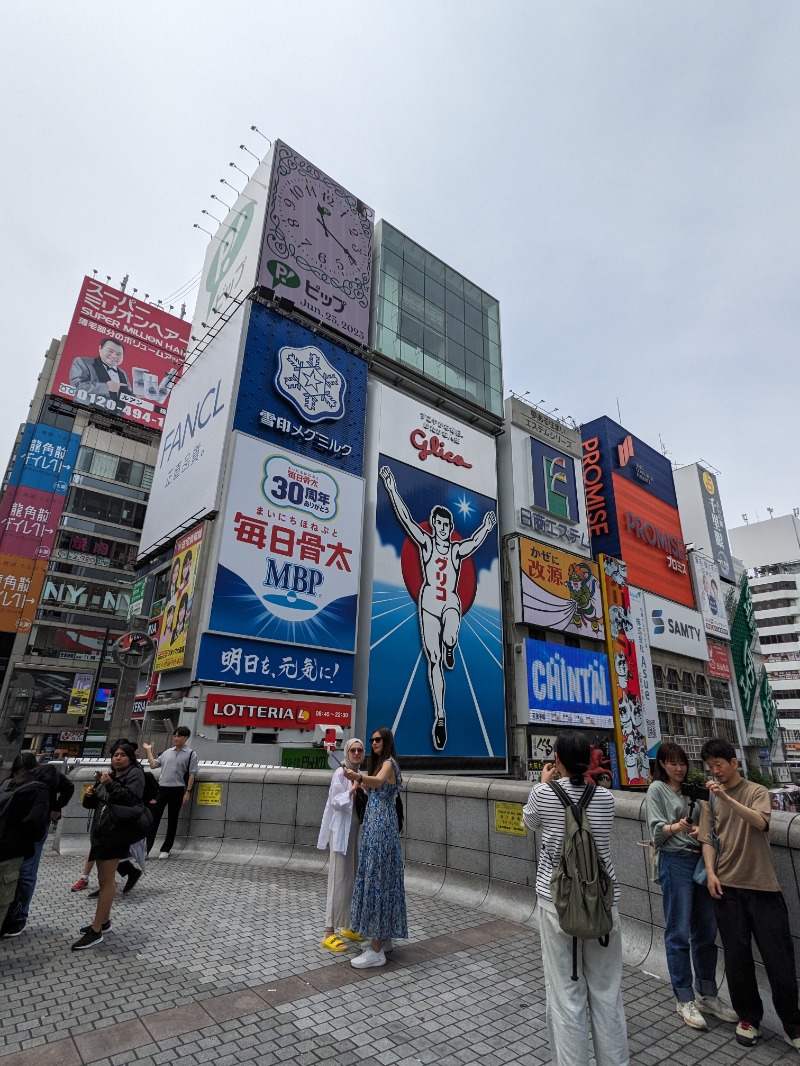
[
  {"x": 163, "y": 854},
  {"x": 691, "y": 1015},
  {"x": 716, "y": 1006},
  {"x": 369, "y": 958}
]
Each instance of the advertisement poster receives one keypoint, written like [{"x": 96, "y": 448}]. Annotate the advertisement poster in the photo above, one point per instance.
[
  {"x": 719, "y": 663},
  {"x": 631, "y": 731},
  {"x": 674, "y": 628},
  {"x": 715, "y": 520},
  {"x": 21, "y": 583},
  {"x": 542, "y": 749},
  {"x": 178, "y": 606},
  {"x": 567, "y": 686},
  {"x": 277, "y": 711},
  {"x": 560, "y": 591},
  {"x": 235, "y": 661},
  {"x": 79, "y": 696},
  {"x": 290, "y": 553},
  {"x": 436, "y": 660},
  {"x": 710, "y": 597},
  {"x": 646, "y": 681},
  {"x": 300, "y": 391},
  {"x": 317, "y": 249},
  {"x": 121, "y": 356}
]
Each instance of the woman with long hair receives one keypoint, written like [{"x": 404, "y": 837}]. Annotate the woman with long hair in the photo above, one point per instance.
[
  {"x": 690, "y": 927},
  {"x": 379, "y": 898},
  {"x": 116, "y": 798},
  {"x": 594, "y": 1000},
  {"x": 339, "y": 833}
]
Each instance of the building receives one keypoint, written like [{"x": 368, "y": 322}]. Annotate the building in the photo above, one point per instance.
[{"x": 73, "y": 505}]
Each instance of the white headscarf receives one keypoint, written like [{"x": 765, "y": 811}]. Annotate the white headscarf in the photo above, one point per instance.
[{"x": 346, "y": 751}]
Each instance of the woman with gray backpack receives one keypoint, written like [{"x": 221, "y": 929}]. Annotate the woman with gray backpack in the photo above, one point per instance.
[{"x": 578, "y": 918}]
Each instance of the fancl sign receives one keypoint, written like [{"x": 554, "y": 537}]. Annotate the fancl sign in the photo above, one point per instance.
[{"x": 567, "y": 686}]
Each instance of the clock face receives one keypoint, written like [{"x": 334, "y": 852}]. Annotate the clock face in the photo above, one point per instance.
[{"x": 318, "y": 245}]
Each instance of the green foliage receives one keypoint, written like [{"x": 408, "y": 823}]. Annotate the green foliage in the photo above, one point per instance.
[
  {"x": 697, "y": 777},
  {"x": 761, "y": 777}
]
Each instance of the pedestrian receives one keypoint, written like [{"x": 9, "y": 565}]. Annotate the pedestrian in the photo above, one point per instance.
[
  {"x": 747, "y": 899},
  {"x": 60, "y": 790},
  {"x": 594, "y": 1000},
  {"x": 24, "y": 812},
  {"x": 134, "y": 866},
  {"x": 690, "y": 928},
  {"x": 178, "y": 772},
  {"x": 379, "y": 898},
  {"x": 116, "y": 799},
  {"x": 339, "y": 833}
]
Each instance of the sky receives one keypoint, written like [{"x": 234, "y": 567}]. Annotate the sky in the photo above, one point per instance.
[{"x": 623, "y": 176}]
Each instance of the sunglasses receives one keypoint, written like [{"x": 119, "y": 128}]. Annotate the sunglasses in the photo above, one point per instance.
[{"x": 376, "y": 740}]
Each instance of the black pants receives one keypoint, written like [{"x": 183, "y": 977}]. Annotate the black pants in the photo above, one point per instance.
[
  {"x": 743, "y": 915},
  {"x": 172, "y": 799}
]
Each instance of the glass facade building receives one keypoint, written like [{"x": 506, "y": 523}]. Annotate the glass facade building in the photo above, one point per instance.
[{"x": 427, "y": 316}]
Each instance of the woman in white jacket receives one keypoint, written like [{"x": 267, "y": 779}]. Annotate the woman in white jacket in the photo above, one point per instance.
[{"x": 339, "y": 832}]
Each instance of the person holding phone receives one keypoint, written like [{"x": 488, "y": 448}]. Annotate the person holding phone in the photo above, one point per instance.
[{"x": 690, "y": 928}]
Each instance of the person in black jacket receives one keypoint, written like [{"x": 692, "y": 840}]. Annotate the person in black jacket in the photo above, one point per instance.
[
  {"x": 117, "y": 801},
  {"x": 24, "y": 821},
  {"x": 60, "y": 789}
]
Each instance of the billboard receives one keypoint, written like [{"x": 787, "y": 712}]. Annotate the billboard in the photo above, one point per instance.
[
  {"x": 542, "y": 747},
  {"x": 276, "y": 711},
  {"x": 436, "y": 660},
  {"x": 302, "y": 392},
  {"x": 21, "y": 583},
  {"x": 290, "y": 551},
  {"x": 710, "y": 599},
  {"x": 674, "y": 628},
  {"x": 647, "y": 690},
  {"x": 634, "y": 734},
  {"x": 715, "y": 520},
  {"x": 186, "y": 482},
  {"x": 177, "y": 609},
  {"x": 719, "y": 664},
  {"x": 238, "y": 661},
  {"x": 317, "y": 249},
  {"x": 560, "y": 591},
  {"x": 121, "y": 355},
  {"x": 567, "y": 686}
]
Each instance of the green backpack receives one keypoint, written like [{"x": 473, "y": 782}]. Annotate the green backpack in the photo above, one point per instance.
[{"x": 581, "y": 886}]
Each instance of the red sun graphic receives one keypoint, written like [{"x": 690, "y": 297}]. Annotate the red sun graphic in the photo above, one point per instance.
[{"x": 411, "y": 567}]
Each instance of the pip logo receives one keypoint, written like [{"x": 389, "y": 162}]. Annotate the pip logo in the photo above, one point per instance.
[
  {"x": 625, "y": 450},
  {"x": 658, "y": 622}
]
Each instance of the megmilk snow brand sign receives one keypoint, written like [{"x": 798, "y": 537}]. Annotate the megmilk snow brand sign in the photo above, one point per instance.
[
  {"x": 277, "y": 712},
  {"x": 672, "y": 627},
  {"x": 568, "y": 686},
  {"x": 560, "y": 591},
  {"x": 710, "y": 598},
  {"x": 435, "y": 671}
]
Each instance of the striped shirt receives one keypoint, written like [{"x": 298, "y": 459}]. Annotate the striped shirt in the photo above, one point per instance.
[{"x": 544, "y": 811}]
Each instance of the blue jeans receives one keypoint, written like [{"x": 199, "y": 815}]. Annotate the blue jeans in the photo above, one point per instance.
[
  {"x": 689, "y": 923},
  {"x": 26, "y": 883}
]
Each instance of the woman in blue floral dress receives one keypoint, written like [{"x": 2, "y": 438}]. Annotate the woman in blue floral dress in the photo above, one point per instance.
[{"x": 379, "y": 897}]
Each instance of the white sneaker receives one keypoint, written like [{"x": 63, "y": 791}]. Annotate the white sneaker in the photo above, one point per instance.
[
  {"x": 691, "y": 1015},
  {"x": 369, "y": 958},
  {"x": 716, "y": 1006},
  {"x": 163, "y": 854}
]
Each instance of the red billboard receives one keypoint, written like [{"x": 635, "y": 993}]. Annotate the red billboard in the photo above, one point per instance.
[
  {"x": 276, "y": 712},
  {"x": 719, "y": 664},
  {"x": 121, "y": 356},
  {"x": 651, "y": 542}
]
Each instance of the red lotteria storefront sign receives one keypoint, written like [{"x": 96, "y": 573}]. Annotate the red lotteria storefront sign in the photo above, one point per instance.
[
  {"x": 719, "y": 665},
  {"x": 279, "y": 712}
]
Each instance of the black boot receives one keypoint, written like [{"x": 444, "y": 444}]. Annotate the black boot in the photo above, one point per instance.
[{"x": 133, "y": 877}]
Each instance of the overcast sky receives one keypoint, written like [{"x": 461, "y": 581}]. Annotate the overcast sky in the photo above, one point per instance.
[{"x": 623, "y": 176}]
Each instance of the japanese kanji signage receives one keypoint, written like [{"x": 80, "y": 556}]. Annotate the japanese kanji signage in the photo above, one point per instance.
[
  {"x": 302, "y": 392},
  {"x": 743, "y": 634},
  {"x": 560, "y": 590},
  {"x": 121, "y": 356},
  {"x": 278, "y": 711},
  {"x": 719, "y": 546},
  {"x": 236, "y": 661},
  {"x": 290, "y": 551},
  {"x": 21, "y": 583},
  {"x": 178, "y": 605}
]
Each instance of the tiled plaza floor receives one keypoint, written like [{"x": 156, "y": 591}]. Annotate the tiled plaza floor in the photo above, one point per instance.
[{"x": 221, "y": 964}]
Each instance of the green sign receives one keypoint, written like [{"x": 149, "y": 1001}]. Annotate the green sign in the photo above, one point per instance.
[
  {"x": 305, "y": 758},
  {"x": 768, "y": 707},
  {"x": 743, "y": 631},
  {"x": 137, "y": 597}
]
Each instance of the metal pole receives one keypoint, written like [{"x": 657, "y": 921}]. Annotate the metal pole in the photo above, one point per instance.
[{"x": 93, "y": 690}]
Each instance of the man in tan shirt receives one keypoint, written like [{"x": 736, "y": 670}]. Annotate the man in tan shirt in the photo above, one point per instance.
[{"x": 748, "y": 902}]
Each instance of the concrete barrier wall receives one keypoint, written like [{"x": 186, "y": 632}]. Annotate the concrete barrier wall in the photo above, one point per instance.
[{"x": 453, "y": 849}]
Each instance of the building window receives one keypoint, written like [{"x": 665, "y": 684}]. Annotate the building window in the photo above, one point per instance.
[
  {"x": 673, "y": 681},
  {"x": 658, "y": 676},
  {"x": 700, "y": 685},
  {"x": 686, "y": 683}
]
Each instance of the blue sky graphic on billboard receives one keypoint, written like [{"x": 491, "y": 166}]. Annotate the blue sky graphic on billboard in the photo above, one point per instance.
[
  {"x": 436, "y": 640},
  {"x": 568, "y": 686},
  {"x": 236, "y": 661},
  {"x": 302, "y": 392}
]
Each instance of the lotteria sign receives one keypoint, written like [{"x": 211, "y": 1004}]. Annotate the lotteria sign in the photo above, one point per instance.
[{"x": 277, "y": 712}]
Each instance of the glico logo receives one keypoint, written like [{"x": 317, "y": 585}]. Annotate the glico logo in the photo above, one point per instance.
[
  {"x": 658, "y": 622},
  {"x": 434, "y": 446}
]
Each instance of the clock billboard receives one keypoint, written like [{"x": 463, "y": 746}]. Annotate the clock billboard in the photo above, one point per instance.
[{"x": 317, "y": 249}]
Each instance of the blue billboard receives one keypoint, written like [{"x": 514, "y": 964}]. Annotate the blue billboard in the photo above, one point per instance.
[
  {"x": 302, "y": 392},
  {"x": 568, "y": 686},
  {"x": 237, "y": 661},
  {"x": 45, "y": 458}
]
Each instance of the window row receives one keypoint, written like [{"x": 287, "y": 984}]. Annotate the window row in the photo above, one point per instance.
[
  {"x": 114, "y": 468},
  {"x": 685, "y": 682},
  {"x": 85, "y": 503},
  {"x": 774, "y": 605},
  {"x": 780, "y": 620}
]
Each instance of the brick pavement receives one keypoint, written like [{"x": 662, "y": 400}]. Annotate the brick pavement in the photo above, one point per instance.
[{"x": 220, "y": 963}]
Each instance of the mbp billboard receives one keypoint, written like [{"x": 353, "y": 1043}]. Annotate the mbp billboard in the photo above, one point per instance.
[
  {"x": 560, "y": 591},
  {"x": 567, "y": 686},
  {"x": 121, "y": 355},
  {"x": 317, "y": 249},
  {"x": 436, "y": 660},
  {"x": 710, "y": 600},
  {"x": 302, "y": 392},
  {"x": 674, "y": 628}
]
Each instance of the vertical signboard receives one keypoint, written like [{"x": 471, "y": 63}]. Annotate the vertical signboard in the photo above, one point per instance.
[
  {"x": 743, "y": 633},
  {"x": 317, "y": 247},
  {"x": 710, "y": 600},
  {"x": 436, "y": 661},
  {"x": 641, "y": 640},
  {"x": 80, "y": 693},
  {"x": 121, "y": 355},
  {"x": 178, "y": 606},
  {"x": 715, "y": 520},
  {"x": 560, "y": 591},
  {"x": 631, "y": 729},
  {"x": 21, "y": 583}
]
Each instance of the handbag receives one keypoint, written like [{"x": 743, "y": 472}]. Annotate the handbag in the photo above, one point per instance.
[{"x": 700, "y": 875}]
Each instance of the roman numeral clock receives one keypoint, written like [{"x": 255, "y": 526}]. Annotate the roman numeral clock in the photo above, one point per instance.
[{"x": 317, "y": 248}]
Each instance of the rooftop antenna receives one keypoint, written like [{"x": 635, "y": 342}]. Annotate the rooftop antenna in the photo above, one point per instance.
[
  {"x": 619, "y": 413},
  {"x": 770, "y": 511},
  {"x": 746, "y": 520},
  {"x": 123, "y": 283}
]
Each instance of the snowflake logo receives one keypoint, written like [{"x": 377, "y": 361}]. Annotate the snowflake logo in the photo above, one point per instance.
[{"x": 311, "y": 384}]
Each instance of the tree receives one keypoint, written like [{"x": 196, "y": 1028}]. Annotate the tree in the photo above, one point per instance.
[{"x": 761, "y": 777}]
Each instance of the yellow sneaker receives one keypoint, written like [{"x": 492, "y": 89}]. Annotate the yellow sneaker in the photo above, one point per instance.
[{"x": 351, "y": 934}]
